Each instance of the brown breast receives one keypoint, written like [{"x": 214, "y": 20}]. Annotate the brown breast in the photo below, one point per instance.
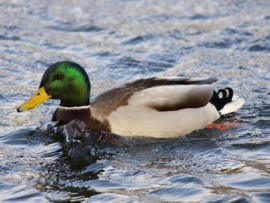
[{"x": 65, "y": 115}]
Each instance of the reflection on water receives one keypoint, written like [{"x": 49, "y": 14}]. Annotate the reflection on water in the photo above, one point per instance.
[{"x": 117, "y": 41}]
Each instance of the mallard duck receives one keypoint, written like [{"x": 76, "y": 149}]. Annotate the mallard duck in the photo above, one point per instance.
[{"x": 160, "y": 107}]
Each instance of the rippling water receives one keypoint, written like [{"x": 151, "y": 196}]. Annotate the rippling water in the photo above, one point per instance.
[{"x": 117, "y": 41}]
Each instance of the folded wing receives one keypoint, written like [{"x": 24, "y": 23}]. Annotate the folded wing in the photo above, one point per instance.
[{"x": 161, "y": 94}]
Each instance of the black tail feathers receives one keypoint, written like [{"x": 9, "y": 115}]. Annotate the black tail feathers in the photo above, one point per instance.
[{"x": 222, "y": 97}]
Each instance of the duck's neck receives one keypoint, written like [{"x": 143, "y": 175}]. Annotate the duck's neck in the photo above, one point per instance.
[
  {"x": 79, "y": 101},
  {"x": 67, "y": 114}
]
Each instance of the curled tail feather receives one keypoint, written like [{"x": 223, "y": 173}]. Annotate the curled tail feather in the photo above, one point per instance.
[{"x": 225, "y": 101}]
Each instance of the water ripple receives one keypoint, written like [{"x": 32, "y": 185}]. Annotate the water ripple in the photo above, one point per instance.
[{"x": 117, "y": 41}]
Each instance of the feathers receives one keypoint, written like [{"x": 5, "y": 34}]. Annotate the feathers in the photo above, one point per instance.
[
  {"x": 232, "y": 106},
  {"x": 156, "y": 107},
  {"x": 225, "y": 101},
  {"x": 173, "y": 98},
  {"x": 163, "y": 107}
]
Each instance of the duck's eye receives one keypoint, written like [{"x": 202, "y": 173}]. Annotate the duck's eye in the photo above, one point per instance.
[{"x": 58, "y": 77}]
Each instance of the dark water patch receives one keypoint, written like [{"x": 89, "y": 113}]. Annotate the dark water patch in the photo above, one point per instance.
[
  {"x": 225, "y": 44},
  {"x": 157, "y": 66},
  {"x": 3, "y": 76},
  {"x": 100, "y": 184},
  {"x": 164, "y": 57},
  {"x": 105, "y": 55},
  {"x": 197, "y": 17},
  {"x": 42, "y": 64},
  {"x": 161, "y": 18},
  {"x": 257, "y": 183},
  {"x": 229, "y": 200},
  {"x": 95, "y": 167},
  {"x": 138, "y": 39},
  {"x": 261, "y": 197},
  {"x": 127, "y": 61},
  {"x": 185, "y": 179},
  {"x": 113, "y": 197},
  {"x": 127, "y": 64},
  {"x": 9, "y": 28},
  {"x": 230, "y": 38},
  {"x": 178, "y": 34},
  {"x": 13, "y": 193},
  {"x": 68, "y": 176},
  {"x": 67, "y": 193},
  {"x": 158, "y": 18},
  {"x": 176, "y": 18},
  {"x": 54, "y": 46},
  {"x": 252, "y": 146},
  {"x": 195, "y": 143},
  {"x": 3, "y": 98},
  {"x": 78, "y": 160},
  {"x": 239, "y": 200},
  {"x": 26, "y": 137},
  {"x": 259, "y": 48},
  {"x": 260, "y": 45},
  {"x": 177, "y": 193},
  {"x": 76, "y": 28},
  {"x": 13, "y": 38},
  {"x": 260, "y": 89},
  {"x": 236, "y": 32},
  {"x": 70, "y": 194}
]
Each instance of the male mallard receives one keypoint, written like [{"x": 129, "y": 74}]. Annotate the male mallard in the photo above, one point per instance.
[{"x": 153, "y": 107}]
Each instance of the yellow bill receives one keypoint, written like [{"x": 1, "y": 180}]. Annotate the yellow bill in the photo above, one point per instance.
[{"x": 39, "y": 97}]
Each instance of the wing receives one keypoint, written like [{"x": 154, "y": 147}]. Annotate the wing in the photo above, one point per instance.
[
  {"x": 161, "y": 94},
  {"x": 173, "y": 98}
]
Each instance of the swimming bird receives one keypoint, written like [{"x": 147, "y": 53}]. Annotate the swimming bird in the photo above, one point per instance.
[{"x": 160, "y": 107}]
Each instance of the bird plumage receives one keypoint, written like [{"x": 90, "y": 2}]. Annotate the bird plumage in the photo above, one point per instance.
[{"x": 159, "y": 107}]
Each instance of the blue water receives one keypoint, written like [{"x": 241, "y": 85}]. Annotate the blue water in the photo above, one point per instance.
[{"x": 117, "y": 41}]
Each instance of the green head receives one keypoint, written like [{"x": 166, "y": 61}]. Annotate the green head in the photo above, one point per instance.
[{"x": 66, "y": 81}]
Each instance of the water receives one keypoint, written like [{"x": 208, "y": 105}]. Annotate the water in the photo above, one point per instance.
[{"x": 117, "y": 41}]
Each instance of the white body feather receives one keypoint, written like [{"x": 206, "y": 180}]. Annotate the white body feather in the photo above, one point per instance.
[
  {"x": 232, "y": 106},
  {"x": 130, "y": 121},
  {"x": 138, "y": 118}
]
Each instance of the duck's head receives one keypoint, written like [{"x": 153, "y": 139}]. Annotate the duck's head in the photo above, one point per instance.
[{"x": 66, "y": 81}]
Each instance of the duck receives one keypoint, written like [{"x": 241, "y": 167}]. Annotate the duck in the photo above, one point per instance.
[{"x": 158, "y": 107}]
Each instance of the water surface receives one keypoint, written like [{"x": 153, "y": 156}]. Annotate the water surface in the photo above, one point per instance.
[{"x": 117, "y": 41}]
